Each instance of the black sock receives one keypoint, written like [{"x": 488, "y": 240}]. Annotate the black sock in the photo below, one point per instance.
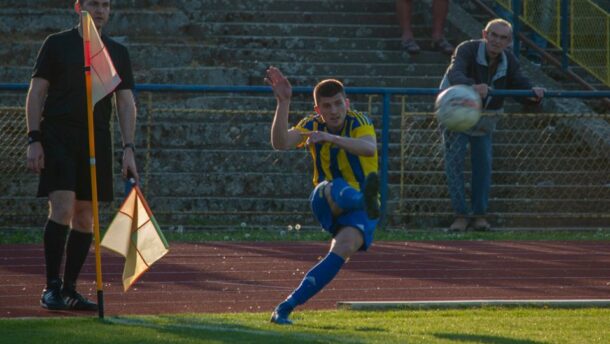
[
  {"x": 76, "y": 253},
  {"x": 54, "y": 245}
]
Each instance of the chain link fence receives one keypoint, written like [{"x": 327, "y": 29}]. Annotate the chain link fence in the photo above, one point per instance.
[
  {"x": 13, "y": 143},
  {"x": 590, "y": 38},
  {"x": 543, "y": 16},
  {"x": 546, "y": 168}
]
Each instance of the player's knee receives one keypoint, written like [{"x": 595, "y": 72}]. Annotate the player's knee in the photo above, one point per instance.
[
  {"x": 83, "y": 222},
  {"x": 347, "y": 242}
]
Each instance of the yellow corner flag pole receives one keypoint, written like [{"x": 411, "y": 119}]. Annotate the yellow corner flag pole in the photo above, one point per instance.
[{"x": 85, "y": 20}]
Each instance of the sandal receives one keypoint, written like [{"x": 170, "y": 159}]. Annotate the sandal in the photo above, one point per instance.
[
  {"x": 411, "y": 46},
  {"x": 443, "y": 46}
]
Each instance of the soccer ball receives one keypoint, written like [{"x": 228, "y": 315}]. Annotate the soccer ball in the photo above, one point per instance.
[{"x": 458, "y": 108}]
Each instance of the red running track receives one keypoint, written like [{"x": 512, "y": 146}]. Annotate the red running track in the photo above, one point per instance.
[{"x": 253, "y": 277}]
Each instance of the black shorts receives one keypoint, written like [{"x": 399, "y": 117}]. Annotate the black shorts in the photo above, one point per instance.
[{"x": 66, "y": 162}]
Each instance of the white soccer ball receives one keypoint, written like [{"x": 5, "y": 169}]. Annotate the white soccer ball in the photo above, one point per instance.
[{"x": 458, "y": 108}]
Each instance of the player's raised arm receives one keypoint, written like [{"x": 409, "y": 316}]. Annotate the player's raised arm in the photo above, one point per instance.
[{"x": 281, "y": 136}]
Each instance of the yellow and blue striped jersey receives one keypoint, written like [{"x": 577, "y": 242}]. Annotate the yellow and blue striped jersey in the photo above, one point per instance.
[{"x": 330, "y": 161}]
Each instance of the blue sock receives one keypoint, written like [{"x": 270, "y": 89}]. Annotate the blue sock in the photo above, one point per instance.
[{"x": 318, "y": 277}]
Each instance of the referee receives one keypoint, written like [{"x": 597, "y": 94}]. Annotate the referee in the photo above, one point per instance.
[{"x": 58, "y": 149}]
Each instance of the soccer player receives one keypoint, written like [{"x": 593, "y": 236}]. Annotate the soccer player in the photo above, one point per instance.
[
  {"x": 345, "y": 199},
  {"x": 58, "y": 149}
]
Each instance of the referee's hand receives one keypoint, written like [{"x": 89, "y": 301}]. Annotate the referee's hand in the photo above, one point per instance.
[
  {"x": 129, "y": 164},
  {"x": 35, "y": 157}
]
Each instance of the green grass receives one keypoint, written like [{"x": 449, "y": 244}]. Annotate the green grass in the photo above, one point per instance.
[
  {"x": 479, "y": 325},
  {"x": 246, "y": 234}
]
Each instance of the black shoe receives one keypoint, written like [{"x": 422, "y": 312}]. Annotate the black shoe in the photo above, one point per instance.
[
  {"x": 51, "y": 296},
  {"x": 77, "y": 302},
  {"x": 371, "y": 195}
]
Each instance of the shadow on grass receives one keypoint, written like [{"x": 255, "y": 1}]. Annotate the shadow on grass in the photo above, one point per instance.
[
  {"x": 219, "y": 331},
  {"x": 474, "y": 338}
]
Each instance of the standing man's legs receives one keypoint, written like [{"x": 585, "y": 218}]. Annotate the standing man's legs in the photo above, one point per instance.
[
  {"x": 439, "y": 15},
  {"x": 481, "y": 157},
  {"x": 455, "y": 145},
  {"x": 404, "y": 11},
  {"x": 65, "y": 210},
  {"x": 79, "y": 242},
  {"x": 61, "y": 210}
]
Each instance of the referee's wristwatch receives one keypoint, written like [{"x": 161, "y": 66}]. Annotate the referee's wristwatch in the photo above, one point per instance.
[{"x": 130, "y": 145}]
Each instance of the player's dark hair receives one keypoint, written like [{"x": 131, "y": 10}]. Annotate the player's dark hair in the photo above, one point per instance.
[{"x": 327, "y": 88}]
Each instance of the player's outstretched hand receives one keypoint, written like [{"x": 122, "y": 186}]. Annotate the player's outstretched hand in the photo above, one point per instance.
[{"x": 278, "y": 82}]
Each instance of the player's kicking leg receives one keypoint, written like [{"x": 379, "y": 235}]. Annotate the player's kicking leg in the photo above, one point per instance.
[
  {"x": 339, "y": 209},
  {"x": 346, "y": 243}
]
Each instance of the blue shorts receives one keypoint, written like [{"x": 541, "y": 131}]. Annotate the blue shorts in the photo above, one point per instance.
[
  {"x": 353, "y": 218},
  {"x": 359, "y": 220}
]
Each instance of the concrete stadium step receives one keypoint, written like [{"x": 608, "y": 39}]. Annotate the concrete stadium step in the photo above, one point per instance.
[
  {"x": 189, "y": 75},
  {"x": 216, "y": 104},
  {"x": 279, "y": 184},
  {"x": 505, "y": 177},
  {"x": 509, "y": 205},
  {"x": 12, "y": 99},
  {"x": 505, "y": 221},
  {"x": 506, "y": 191},
  {"x": 294, "y": 23},
  {"x": 229, "y": 161},
  {"x": 194, "y": 76},
  {"x": 147, "y": 55},
  {"x": 532, "y": 137},
  {"x": 509, "y": 162},
  {"x": 44, "y": 21},
  {"x": 13, "y": 74},
  {"x": 296, "y": 29},
  {"x": 62, "y": 4},
  {"x": 500, "y": 151},
  {"x": 318, "y": 43},
  {"x": 341, "y": 6},
  {"x": 313, "y": 18},
  {"x": 322, "y": 69}
]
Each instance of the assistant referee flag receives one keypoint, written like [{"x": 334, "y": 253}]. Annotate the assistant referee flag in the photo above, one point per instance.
[
  {"x": 104, "y": 77},
  {"x": 135, "y": 235}
]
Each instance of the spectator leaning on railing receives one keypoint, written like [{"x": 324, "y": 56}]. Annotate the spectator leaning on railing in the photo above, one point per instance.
[{"x": 484, "y": 64}]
